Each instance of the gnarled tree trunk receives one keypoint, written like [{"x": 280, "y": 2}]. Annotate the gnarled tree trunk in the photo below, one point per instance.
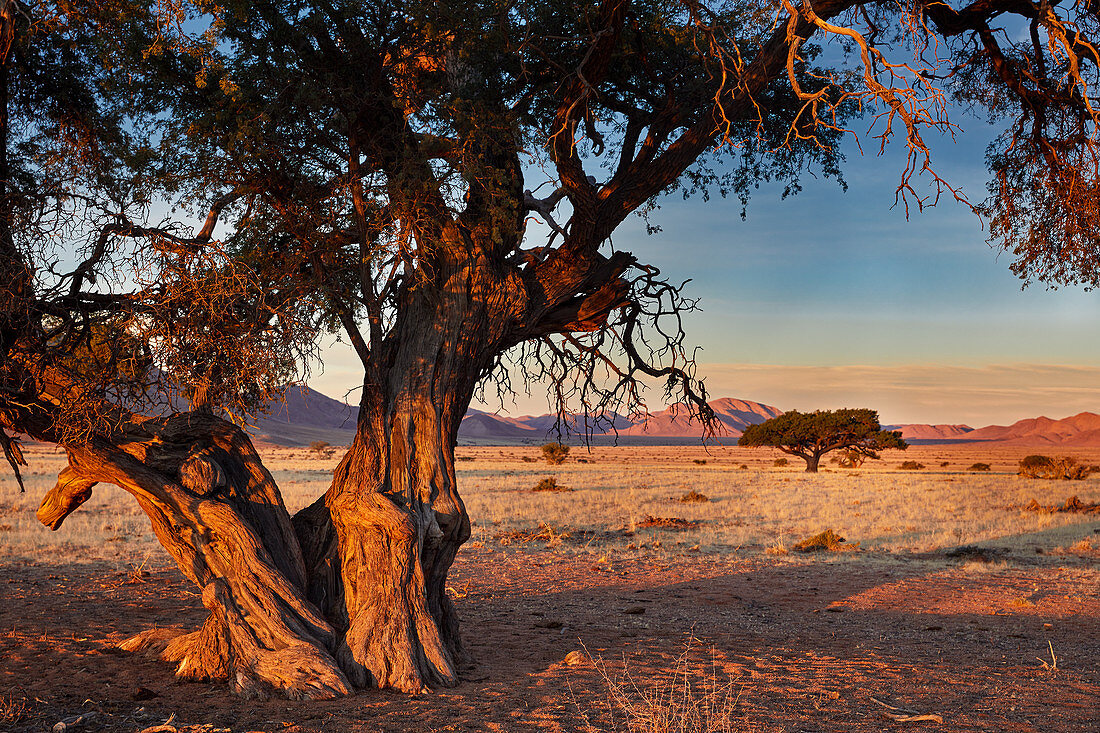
[
  {"x": 379, "y": 545},
  {"x": 218, "y": 513}
]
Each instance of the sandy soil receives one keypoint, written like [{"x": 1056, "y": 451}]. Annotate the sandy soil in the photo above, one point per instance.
[{"x": 805, "y": 643}]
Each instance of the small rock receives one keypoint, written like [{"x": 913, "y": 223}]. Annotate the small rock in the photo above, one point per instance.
[
  {"x": 634, "y": 610},
  {"x": 143, "y": 693},
  {"x": 548, "y": 624},
  {"x": 576, "y": 658}
]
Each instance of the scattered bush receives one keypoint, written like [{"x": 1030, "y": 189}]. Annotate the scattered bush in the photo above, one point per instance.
[
  {"x": 911, "y": 466},
  {"x": 528, "y": 459},
  {"x": 827, "y": 540},
  {"x": 945, "y": 464},
  {"x": 694, "y": 497},
  {"x": 550, "y": 483},
  {"x": 1060, "y": 467},
  {"x": 744, "y": 467},
  {"x": 555, "y": 453},
  {"x": 979, "y": 467},
  {"x": 318, "y": 446},
  {"x": 780, "y": 462},
  {"x": 700, "y": 461}
]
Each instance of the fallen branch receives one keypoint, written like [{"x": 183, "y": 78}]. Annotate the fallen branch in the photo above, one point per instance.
[{"x": 906, "y": 715}]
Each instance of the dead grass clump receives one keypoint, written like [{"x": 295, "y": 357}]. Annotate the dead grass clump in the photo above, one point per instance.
[
  {"x": 1084, "y": 546},
  {"x": 826, "y": 541},
  {"x": 12, "y": 709},
  {"x": 979, "y": 467},
  {"x": 694, "y": 497},
  {"x": 552, "y": 537},
  {"x": 550, "y": 483},
  {"x": 1065, "y": 468},
  {"x": 911, "y": 466},
  {"x": 1073, "y": 505},
  {"x": 681, "y": 700},
  {"x": 669, "y": 522},
  {"x": 777, "y": 550}
]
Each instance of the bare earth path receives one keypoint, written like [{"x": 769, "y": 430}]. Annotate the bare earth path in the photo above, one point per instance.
[{"x": 805, "y": 641}]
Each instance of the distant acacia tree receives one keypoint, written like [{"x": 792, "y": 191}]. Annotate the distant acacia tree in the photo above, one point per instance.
[
  {"x": 374, "y": 169},
  {"x": 810, "y": 435}
]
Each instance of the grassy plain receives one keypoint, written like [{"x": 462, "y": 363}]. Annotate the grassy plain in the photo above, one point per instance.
[{"x": 614, "y": 489}]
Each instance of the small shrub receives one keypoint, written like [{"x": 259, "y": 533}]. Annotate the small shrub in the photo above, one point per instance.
[
  {"x": 694, "y": 497},
  {"x": 744, "y": 467},
  {"x": 464, "y": 458},
  {"x": 550, "y": 483},
  {"x": 827, "y": 540},
  {"x": 555, "y": 453},
  {"x": 318, "y": 446},
  {"x": 1062, "y": 467},
  {"x": 979, "y": 467},
  {"x": 780, "y": 462},
  {"x": 850, "y": 458},
  {"x": 911, "y": 466},
  {"x": 945, "y": 464},
  {"x": 528, "y": 459},
  {"x": 700, "y": 461}
]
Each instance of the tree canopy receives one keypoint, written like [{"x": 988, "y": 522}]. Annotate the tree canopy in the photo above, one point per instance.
[
  {"x": 193, "y": 194},
  {"x": 810, "y": 435}
]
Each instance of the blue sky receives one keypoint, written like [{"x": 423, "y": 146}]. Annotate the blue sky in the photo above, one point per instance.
[{"x": 830, "y": 299}]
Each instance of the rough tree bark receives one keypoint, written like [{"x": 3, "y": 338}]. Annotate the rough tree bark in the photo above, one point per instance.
[
  {"x": 217, "y": 512},
  {"x": 380, "y": 543}
]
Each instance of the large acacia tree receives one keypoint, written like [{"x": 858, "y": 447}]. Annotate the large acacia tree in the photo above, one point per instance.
[{"x": 439, "y": 183}]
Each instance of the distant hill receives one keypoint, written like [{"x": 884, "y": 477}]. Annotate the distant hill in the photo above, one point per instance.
[
  {"x": 306, "y": 415},
  {"x": 1080, "y": 430},
  {"x": 303, "y": 416},
  {"x": 918, "y": 431},
  {"x": 735, "y": 416}
]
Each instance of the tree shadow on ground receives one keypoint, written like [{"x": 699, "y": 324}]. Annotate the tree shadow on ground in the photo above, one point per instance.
[{"x": 805, "y": 643}]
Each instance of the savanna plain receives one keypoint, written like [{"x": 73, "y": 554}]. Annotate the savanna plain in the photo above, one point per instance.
[{"x": 641, "y": 589}]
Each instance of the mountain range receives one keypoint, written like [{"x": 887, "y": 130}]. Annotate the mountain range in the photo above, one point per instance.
[{"x": 305, "y": 416}]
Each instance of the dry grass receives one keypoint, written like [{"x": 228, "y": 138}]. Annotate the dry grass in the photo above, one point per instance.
[
  {"x": 881, "y": 507},
  {"x": 688, "y": 697}
]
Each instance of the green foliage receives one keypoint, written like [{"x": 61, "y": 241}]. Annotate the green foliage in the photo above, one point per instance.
[
  {"x": 811, "y": 435},
  {"x": 555, "y": 453}
]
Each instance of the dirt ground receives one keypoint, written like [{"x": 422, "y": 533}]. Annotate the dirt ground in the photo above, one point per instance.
[{"x": 796, "y": 643}]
